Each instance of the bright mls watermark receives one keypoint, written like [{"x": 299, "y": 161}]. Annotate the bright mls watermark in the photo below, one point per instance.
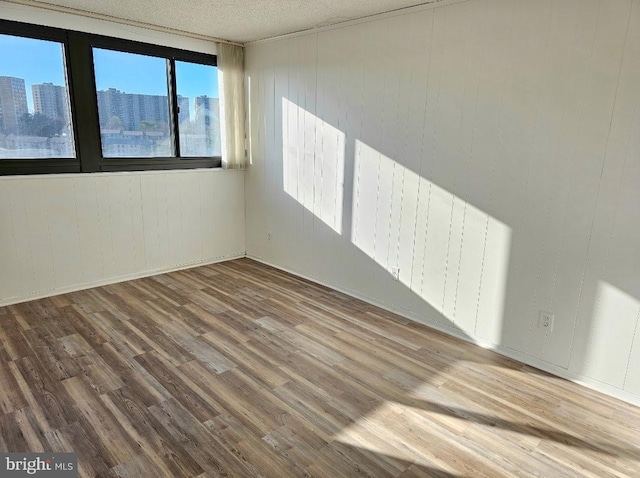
[{"x": 50, "y": 465}]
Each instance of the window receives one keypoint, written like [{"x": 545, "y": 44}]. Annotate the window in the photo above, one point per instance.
[
  {"x": 35, "y": 115},
  {"x": 133, "y": 108},
  {"x": 199, "y": 126},
  {"x": 76, "y": 102}
]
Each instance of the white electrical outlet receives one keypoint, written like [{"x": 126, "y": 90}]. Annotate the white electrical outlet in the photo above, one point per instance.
[
  {"x": 268, "y": 237},
  {"x": 395, "y": 272},
  {"x": 545, "y": 320}
]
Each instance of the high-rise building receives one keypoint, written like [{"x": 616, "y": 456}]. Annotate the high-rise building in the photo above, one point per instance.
[
  {"x": 183, "y": 112},
  {"x": 206, "y": 110},
  {"x": 109, "y": 108},
  {"x": 132, "y": 112},
  {"x": 13, "y": 103},
  {"x": 207, "y": 121},
  {"x": 51, "y": 100},
  {"x": 153, "y": 110}
]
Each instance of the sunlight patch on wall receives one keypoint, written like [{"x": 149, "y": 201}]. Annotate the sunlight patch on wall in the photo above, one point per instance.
[
  {"x": 448, "y": 252},
  {"x": 611, "y": 338},
  {"x": 367, "y": 166},
  {"x": 313, "y": 163},
  {"x": 493, "y": 290}
]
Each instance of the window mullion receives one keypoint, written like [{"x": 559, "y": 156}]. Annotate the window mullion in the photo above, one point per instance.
[
  {"x": 173, "y": 98},
  {"x": 83, "y": 101}
]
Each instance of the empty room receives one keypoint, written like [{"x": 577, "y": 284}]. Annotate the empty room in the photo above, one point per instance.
[{"x": 377, "y": 238}]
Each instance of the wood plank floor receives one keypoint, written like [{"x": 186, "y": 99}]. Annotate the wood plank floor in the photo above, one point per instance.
[{"x": 237, "y": 369}]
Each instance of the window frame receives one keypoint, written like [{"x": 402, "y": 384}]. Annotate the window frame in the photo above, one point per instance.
[{"x": 83, "y": 100}]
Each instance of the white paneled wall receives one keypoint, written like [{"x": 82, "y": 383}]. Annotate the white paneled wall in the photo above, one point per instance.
[
  {"x": 486, "y": 152},
  {"x": 65, "y": 232}
]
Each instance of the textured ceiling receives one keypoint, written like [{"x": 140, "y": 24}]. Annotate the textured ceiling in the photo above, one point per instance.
[{"x": 237, "y": 20}]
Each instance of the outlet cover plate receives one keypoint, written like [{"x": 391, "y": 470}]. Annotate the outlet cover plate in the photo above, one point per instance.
[{"x": 545, "y": 320}]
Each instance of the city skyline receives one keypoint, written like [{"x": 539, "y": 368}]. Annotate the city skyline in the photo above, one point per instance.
[
  {"x": 41, "y": 61},
  {"x": 49, "y": 99},
  {"x": 131, "y": 125}
]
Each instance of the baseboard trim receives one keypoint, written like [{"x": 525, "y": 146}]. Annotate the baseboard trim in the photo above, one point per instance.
[
  {"x": 500, "y": 349},
  {"x": 114, "y": 280}
]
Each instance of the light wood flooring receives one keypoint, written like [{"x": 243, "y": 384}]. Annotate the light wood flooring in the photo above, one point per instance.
[{"x": 237, "y": 369}]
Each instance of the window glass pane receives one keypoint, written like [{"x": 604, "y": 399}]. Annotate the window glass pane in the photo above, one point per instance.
[
  {"x": 199, "y": 115},
  {"x": 35, "y": 116},
  {"x": 133, "y": 104}
]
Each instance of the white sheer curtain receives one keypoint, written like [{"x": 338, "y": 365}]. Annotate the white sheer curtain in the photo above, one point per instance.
[{"x": 231, "y": 78}]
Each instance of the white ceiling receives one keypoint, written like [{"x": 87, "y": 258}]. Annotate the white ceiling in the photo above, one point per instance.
[{"x": 237, "y": 20}]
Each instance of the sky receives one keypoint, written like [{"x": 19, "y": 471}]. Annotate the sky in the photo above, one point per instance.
[{"x": 38, "y": 61}]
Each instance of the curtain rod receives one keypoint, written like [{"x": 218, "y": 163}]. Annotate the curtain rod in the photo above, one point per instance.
[{"x": 122, "y": 21}]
